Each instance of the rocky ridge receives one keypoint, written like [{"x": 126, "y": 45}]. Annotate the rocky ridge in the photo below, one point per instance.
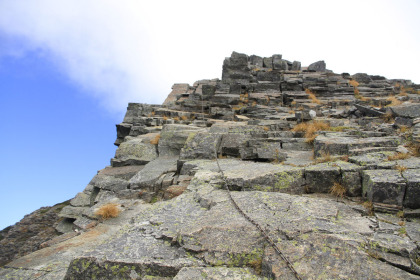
[{"x": 327, "y": 164}]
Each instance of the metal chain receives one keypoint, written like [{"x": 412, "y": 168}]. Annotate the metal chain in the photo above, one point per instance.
[{"x": 263, "y": 232}]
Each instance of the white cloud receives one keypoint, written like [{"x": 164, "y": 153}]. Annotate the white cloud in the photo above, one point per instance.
[{"x": 123, "y": 51}]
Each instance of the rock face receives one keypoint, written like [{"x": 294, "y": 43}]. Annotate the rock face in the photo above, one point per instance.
[
  {"x": 29, "y": 234},
  {"x": 315, "y": 159}
]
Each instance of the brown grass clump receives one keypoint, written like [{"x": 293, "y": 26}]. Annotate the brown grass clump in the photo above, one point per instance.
[
  {"x": 354, "y": 83},
  {"x": 293, "y": 103},
  {"x": 244, "y": 98},
  {"x": 107, "y": 211},
  {"x": 310, "y": 129},
  {"x": 415, "y": 149},
  {"x": 184, "y": 118},
  {"x": 369, "y": 207},
  {"x": 256, "y": 264},
  {"x": 291, "y": 112},
  {"x": 155, "y": 140},
  {"x": 398, "y": 156},
  {"x": 325, "y": 157},
  {"x": 338, "y": 190},
  {"x": 404, "y": 129},
  {"x": 388, "y": 117},
  {"x": 176, "y": 118},
  {"x": 400, "y": 168},
  {"x": 312, "y": 96},
  {"x": 165, "y": 118},
  {"x": 266, "y": 128},
  {"x": 394, "y": 101}
]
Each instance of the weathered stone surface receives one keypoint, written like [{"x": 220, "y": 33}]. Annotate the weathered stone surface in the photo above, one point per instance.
[
  {"x": 148, "y": 177},
  {"x": 385, "y": 186},
  {"x": 136, "y": 151},
  {"x": 321, "y": 177},
  {"x": 81, "y": 199},
  {"x": 177, "y": 89},
  {"x": 178, "y": 221},
  {"x": 412, "y": 194},
  {"x": 373, "y": 160},
  {"x": 296, "y": 66},
  {"x": 109, "y": 183},
  {"x": 216, "y": 273},
  {"x": 173, "y": 137},
  {"x": 406, "y": 110},
  {"x": 318, "y": 66},
  {"x": 362, "y": 78},
  {"x": 201, "y": 145}
]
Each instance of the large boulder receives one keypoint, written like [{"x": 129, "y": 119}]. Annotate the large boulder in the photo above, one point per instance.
[
  {"x": 318, "y": 66},
  {"x": 136, "y": 151},
  {"x": 173, "y": 137},
  {"x": 406, "y": 110}
]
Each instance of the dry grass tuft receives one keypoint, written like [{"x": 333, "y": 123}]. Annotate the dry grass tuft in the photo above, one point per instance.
[
  {"x": 400, "y": 168},
  {"x": 176, "y": 118},
  {"x": 394, "y": 101},
  {"x": 398, "y": 156},
  {"x": 165, "y": 118},
  {"x": 184, "y": 118},
  {"x": 312, "y": 96},
  {"x": 368, "y": 206},
  {"x": 155, "y": 140},
  {"x": 415, "y": 149},
  {"x": 354, "y": 83},
  {"x": 107, "y": 211},
  {"x": 388, "y": 117},
  {"x": 404, "y": 129},
  {"x": 338, "y": 190},
  {"x": 291, "y": 112},
  {"x": 325, "y": 157},
  {"x": 256, "y": 264},
  {"x": 310, "y": 129},
  {"x": 266, "y": 128}
]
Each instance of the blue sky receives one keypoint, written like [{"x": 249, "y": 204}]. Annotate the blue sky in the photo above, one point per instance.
[{"x": 68, "y": 69}]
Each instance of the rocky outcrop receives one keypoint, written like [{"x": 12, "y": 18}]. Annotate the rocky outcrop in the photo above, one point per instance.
[
  {"x": 325, "y": 164},
  {"x": 30, "y": 234}
]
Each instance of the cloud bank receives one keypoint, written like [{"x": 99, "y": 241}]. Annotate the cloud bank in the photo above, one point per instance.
[{"x": 133, "y": 51}]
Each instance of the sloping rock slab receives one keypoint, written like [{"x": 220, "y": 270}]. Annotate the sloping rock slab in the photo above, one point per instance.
[{"x": 216, "y": 273}]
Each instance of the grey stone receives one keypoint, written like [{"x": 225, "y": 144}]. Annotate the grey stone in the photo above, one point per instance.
[
  {"x": 136, "y": 151},
  {"x": 384, "y": 186},
  {"x": 268, "y": 62},
  {"x": 231, "y": 143},
  {"x": 296, "y": 66},
  {"x": 362, "y": 78},
  {"x": 109, "y": 183},
  {"x": 173, "y": 137},
  {"x": 73, "y": 212},
  {"x": 216, "y": 273},
  {"x": 369, "y": 111},
  {"x": 201, "y": 145},
  {"x": 318, "y": 66},
  {"x": 81, "y": 199},
  {"x": 321, "y": 177},
  {"x": 412, "y": 194},
  {"x": 406, "y": 110},
  {"x": 256, "y": 60},
  {"x": 148, "y": 177}
]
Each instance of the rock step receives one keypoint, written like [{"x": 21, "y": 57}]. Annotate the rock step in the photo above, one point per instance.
[{"x": 362, "y": 151}]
